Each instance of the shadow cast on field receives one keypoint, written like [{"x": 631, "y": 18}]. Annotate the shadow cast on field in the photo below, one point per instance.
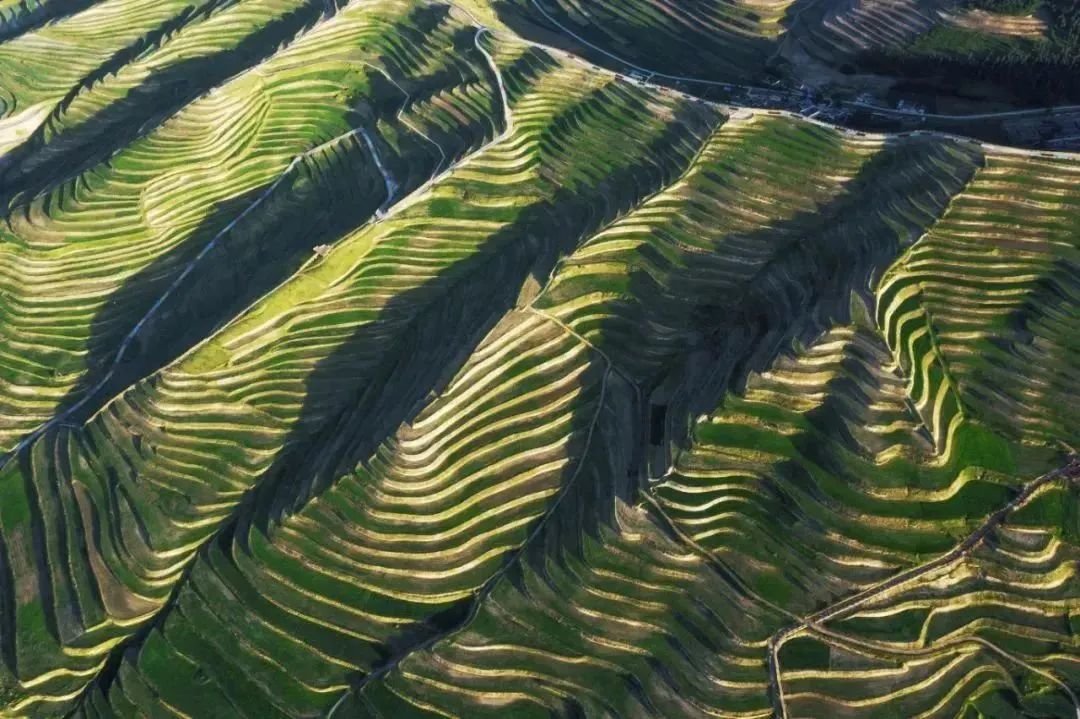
[
  {"x": 262, "y": 249},
  {"x": 599, "y": 475},
  {"x": 328, "y": 195},
  {"x": 344, "y": 422},
  {"x": 359, "y": 394},
  {"x": 38, "y": 165},
  {"x": 36, "y": 17},
  {"x": 821, "y": 258},
  {"x": 474, "y": 297},
  {"x": 715, "y": 55}
]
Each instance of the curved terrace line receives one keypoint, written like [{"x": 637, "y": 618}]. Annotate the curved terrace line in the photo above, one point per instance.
[
  {"x": 485, "y": 590},
  {"x": 133, "y": 334},
  {"x": 717, "y": 83},
  {"x": 1070, "y": 470},
  {"x": 51, "y": 110},
  {"x": 950, "y": 644},
  {"x": 393, "y": 209},
  {"x": 391, "y": 205},
  {"x": 731, "y": 108}
]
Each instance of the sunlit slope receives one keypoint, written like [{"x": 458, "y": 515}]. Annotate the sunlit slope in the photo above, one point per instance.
[
  {"x": 128, "y": 94},
  {"x": 993, "y": 635},
  {"x": 302, "y": 382},
  {"x": 993, "y": 289},
  {"x": 787, "y": 502},
  {"x": 509, "y": 459},
  {"x": 252, "y": 168},
  {"x": 634, "y": 622},
  {"x": 834, "y": 470},
  {"x": 399, "y": 367},
  {"x": 45, "y": 62}
]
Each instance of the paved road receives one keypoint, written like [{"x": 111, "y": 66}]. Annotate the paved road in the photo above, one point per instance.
[
  {"x": 1030, "y": 112},
  {"x": 508, "y": 116},
  {"x": 388, "y": 179}
]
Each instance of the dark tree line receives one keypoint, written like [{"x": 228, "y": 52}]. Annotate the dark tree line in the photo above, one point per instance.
[{"x": 1040, "y": 71}]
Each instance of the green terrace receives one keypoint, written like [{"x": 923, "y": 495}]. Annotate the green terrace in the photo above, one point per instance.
[{"x": 360, "y": 359}]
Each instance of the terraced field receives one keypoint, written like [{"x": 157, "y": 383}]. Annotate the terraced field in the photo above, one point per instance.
[
  {"x": 368, "y": 359},
  {"x": 955, "y": 57},
  {"x": 713, "y": 41}
]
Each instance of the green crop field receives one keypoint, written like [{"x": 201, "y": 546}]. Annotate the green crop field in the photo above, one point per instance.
[{"x": 401, "y": 358}]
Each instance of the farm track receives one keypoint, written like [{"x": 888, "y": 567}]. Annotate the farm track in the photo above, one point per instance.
[
  {"x": 125, "y": 344},
  {"x": 1070, "y": 471},
  {"x": 907, "y": 28},
  {"x": 132, "y": 336}
]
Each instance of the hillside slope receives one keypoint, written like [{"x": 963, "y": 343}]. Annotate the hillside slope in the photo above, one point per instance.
[{"x": 365, "y": 359}]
